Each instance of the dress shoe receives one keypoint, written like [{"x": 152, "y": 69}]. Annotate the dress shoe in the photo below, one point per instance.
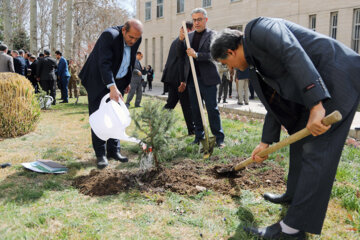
[
  {"x": 246, "y": 103},
  {"x": 274, "y": 232},
  {"x": 117, "y": 157},
  {"x": 278, "y": 199},
  {"x": 220, "y": 145},
  {"x": 64, "y": 101},
  {"x": 101, "y": 162},
  {"x": 225, "y": 101},
  {"x": 240, "y": 103},
  {"x": 196, "y": 141},
  {"x": 219, "y": 100},
  {"x": 137, "y": 106}
]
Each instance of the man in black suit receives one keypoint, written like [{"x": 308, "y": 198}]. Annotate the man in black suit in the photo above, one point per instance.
[
  {"x": 109, "y": 68},
  {"x": 173, "y": 75},
  {"x": 207, "y": 74},
  {"x": 299, "y": 75},
  {"x": 45, "y": 73},
  {"x": 19, "y": 63},
  {"x": 32, "y": 76}
]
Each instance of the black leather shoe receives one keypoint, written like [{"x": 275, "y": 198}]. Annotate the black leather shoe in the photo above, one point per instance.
[
  {"x": 277, "y": 198},
  {"x": 118, "y": 157},
  {"x": 274, "y": 232},
  {"x": 101, "y": 162},
  {"x": 64, "y": 101}
]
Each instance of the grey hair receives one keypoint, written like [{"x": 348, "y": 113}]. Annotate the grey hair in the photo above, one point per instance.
[
  {"x": 199, "y": 10},
  {"x": 224, "y": 40}
]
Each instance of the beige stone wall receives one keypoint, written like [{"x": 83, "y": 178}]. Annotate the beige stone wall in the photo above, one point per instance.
[{"x": 223, "y": 14}]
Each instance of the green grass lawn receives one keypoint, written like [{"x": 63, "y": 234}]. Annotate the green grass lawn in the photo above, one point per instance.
[{"x": 39, "y": 206}]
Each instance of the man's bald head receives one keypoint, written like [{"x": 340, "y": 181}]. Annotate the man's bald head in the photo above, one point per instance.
[
  {"x": 133, "y": 23},
  {"x": 132, "y": 31}
]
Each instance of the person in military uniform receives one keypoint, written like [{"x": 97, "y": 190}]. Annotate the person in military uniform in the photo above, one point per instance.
[{"x": 74, "y": 79}]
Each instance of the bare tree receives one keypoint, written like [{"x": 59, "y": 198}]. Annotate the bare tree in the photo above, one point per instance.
[
  {"x": 7, "y": 23},
  {"x": 68, "y": 33},
  {"x": 44, "y": 14},
  {"x": 54, "y": 25},
  {"x": 33, "y": 26}
]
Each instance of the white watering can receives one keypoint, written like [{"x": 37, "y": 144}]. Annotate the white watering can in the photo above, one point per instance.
[{"x": 111, "y": 120}]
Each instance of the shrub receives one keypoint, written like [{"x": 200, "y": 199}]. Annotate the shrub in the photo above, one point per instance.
[{"x": 19, "y": 108}]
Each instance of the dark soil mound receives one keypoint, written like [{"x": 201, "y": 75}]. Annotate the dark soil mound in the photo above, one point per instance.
[{"x": 186, "y": 177}]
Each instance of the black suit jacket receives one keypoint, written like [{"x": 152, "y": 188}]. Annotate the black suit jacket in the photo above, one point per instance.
[
  {"x": 208, "y": 70},
  {"x": 303, "y": 67},
  {"x": 104, "y": 62},
  {"x": 174, "y": 68},
  {"x": 20, "y": 65},
  {"x": 33, "y": 67},
  {"x": 45, "y": 69}
]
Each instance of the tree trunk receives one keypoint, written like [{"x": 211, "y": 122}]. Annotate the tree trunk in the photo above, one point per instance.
[
  {"x": 33, "y": 26},
  {"x": 68, "y": 31},
  {"x": 7, "y": 23},
  {"x": 54, "y": 26}
]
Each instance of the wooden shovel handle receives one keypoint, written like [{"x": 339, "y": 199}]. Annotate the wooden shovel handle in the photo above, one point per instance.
[{"x": 328, "y": 120}]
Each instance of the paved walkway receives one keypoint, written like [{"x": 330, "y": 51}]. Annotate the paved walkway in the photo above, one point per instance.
[{"x": 254, "y": 109}]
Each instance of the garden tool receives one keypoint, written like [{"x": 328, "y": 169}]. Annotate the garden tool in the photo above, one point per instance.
[
  {"x": 209, "y": 142},
  {"x": 328, "y": 120}
]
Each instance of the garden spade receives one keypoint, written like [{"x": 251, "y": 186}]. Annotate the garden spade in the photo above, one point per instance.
[
  {"x": 209, "y": 142},
  {"x": 328, "y": 120}
]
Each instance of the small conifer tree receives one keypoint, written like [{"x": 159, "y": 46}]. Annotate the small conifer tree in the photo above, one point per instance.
[{"x": 154, "y": 122}]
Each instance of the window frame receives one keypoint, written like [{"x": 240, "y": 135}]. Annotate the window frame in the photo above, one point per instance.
[
  {"x": 159, "y": 9},
  {"x": 355, "y": 36},
  {"x": 178, "y": 6},
  {"x": 147, "y": 11},
  {"x": 333, "y": 24},
  {"x": 312, "y": 22},
  {"x": 208, "y": 2}
]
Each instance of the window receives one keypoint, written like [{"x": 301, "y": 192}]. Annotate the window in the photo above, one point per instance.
[
  {"x": 333, "y": 24},
  {"x": 356, "y": 31},
  {"x": 206, "y": 3},
  {"x": 312, "y": 22},
  {"x": 180, "y": 6},
  {"x": 153, "y": 53},
  {"x": 146, "y": 51},
  {"x": 147, "y": 11},
  {"x": 161, "y": 53},
  {"x": 237, "y": 27},
  {"x": 234, "y": 0},
  {"x": 160, "y": 8}
]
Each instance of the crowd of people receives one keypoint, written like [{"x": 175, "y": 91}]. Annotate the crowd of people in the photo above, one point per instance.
[{"x": 43, "y": 71}]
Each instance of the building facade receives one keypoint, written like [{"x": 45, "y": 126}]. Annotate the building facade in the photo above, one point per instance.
[{"x": 162, "y": 20}]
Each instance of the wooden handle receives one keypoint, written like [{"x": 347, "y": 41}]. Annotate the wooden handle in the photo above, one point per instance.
[{"x": 328, "y": 120}]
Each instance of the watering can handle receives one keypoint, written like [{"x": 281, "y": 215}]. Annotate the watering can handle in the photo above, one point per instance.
[{"x": 103, "y": 100}]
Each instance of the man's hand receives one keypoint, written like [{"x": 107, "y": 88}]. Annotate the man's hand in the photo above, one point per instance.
[
  {"x": 191, "y": 52},
  {"x": 314, "y": 124},
  {"x": 115, "y": 94},
  {"x": 127, "y": 89},
  {"x": 181, "y": 34},
  {"x": 259, "y": 148},
  {"x": 139, "y": 73},
  {"x": 182, "y": 87},
  {"x": 38, "y": 79}
]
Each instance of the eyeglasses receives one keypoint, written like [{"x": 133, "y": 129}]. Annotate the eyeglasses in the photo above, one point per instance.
[{"x": 197, "y": 20}]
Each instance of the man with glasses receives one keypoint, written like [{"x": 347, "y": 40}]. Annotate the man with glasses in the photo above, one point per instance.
[{"x": 207, "y": 76}]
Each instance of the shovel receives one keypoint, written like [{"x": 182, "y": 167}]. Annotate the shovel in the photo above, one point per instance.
[
  {"x": 207, "y": 143},
  {"x": 328, "y": 120}
]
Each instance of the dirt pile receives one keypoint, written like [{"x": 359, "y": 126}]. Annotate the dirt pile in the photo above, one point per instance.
[{"x": 185, "y": 177}]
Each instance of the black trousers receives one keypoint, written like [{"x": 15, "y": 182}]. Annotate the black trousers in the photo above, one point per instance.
[
  {"x": 173, "y": 98},
  {"x": 313, "y": 165},
  {"x": 49, "y": 86},
  {"x": 111, "y": 145}
]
